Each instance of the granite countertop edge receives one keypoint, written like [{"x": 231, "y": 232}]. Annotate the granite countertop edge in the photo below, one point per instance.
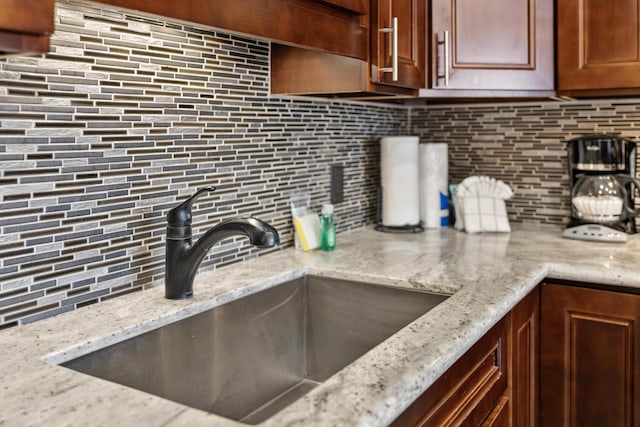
[{"x": 486, "y": 277}]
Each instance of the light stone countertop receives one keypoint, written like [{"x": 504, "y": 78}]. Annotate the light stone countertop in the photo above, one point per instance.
[{"x": 485, "y": 274}]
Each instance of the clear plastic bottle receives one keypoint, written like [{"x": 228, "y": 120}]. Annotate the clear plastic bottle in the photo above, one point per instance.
[{"x": 328, "y": 237}]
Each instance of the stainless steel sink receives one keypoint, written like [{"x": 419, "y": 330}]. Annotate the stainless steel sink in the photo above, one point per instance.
[{"x": 250, "y": 358}]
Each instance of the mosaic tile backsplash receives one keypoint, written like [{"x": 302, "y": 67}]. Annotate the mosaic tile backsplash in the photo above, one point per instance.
[
  {"x": 128, "y": 115},
  {"x": 524, "y": 145}
]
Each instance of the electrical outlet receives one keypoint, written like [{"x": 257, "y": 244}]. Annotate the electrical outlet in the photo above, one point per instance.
[{"x": 337, "y": 184}]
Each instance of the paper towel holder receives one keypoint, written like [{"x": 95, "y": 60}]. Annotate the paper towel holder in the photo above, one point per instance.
[{"x": 418, "y": 228}]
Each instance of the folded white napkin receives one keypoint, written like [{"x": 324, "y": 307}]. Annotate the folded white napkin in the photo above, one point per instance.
[{"x": 480, "y": 205}]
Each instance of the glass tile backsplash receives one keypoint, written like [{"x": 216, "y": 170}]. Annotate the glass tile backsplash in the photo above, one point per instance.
[
  {"x": 128, "y": 115},
  {"x": 524, "y": 145}
]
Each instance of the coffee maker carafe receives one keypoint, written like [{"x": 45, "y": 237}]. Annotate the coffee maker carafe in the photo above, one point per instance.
[{"x": 602, "y": 172}]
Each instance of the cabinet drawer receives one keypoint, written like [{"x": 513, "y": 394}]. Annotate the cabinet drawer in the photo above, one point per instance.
[{"x": 469, "y": 390}]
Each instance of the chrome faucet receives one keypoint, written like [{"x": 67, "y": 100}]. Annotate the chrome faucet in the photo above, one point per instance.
[{"x": 183, "y": 258}]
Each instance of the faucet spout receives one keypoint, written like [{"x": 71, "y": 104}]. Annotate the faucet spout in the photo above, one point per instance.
[
  {"x": 183, "y": 258},
  {"x": 259, "y": 233}
]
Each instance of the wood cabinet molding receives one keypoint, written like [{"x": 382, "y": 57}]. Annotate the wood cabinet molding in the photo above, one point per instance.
[
  {"x": 360, "y": 7},
  {"x": 16, "y": 43}
]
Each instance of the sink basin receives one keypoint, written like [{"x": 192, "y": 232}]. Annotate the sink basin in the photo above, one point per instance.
[{"x": 251, "y": 357}]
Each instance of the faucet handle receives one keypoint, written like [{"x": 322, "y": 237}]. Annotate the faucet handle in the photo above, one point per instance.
[{"x": 180, "y": 216}]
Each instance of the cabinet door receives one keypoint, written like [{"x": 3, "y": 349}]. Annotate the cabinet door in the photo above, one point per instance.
[
  {"x": 492, "y": 44},
  {"x": 598, "y": 44},
  {"x": 590, "y": 348},
  {"x": 411, "y": 41}
]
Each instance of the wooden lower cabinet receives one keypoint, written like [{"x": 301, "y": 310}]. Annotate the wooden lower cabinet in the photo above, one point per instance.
[
  {"x": 566, "y": 355},
  {"x": 525, "y": 351},
  {"x": 469, "y": 391},
  {"x": 590, "y": 354},
  {"x": 493, "y": 384}
]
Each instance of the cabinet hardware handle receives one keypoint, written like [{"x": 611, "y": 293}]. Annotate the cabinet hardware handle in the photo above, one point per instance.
[
  {"x": 394, "y": 49},
  {"x": 447, "y": 59}
]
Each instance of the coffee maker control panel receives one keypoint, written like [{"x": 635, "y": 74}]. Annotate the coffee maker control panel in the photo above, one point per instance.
[{"x": 596, "y": 232}]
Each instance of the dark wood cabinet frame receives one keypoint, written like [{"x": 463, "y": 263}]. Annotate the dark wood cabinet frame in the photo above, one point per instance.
[{"x": 312, "y": 24}]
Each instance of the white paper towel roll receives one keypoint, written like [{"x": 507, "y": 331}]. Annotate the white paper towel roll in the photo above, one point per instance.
[
  {"x": 399, "y": 178},
  {"x": 434, "y": 170}
]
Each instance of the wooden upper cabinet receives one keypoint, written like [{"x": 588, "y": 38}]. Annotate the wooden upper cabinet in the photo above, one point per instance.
[
  {"x": 326, "y": 74},
  {"x": 411, "y": 17},
  {"x": 590, "y": 357},
  {"x": 468, "y": 48},
  {"x": 598, "y": 44},
  {"x": 25, "y": 25},
  {"x": 329, "y": 25},
  {"x": 313, "y": 72},
  {"x": 492, "y": 44}
]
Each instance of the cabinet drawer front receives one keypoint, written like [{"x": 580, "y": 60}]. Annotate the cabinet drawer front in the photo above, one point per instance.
[
  {"x": 474, "y": 395},
  {"x": 469, "y": 390}
]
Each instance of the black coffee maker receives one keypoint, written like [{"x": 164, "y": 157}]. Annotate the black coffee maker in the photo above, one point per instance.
[{"x": 602, "y": 170}]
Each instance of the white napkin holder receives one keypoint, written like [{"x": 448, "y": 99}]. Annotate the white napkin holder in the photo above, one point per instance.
[{"x": 480, "y": 205}]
